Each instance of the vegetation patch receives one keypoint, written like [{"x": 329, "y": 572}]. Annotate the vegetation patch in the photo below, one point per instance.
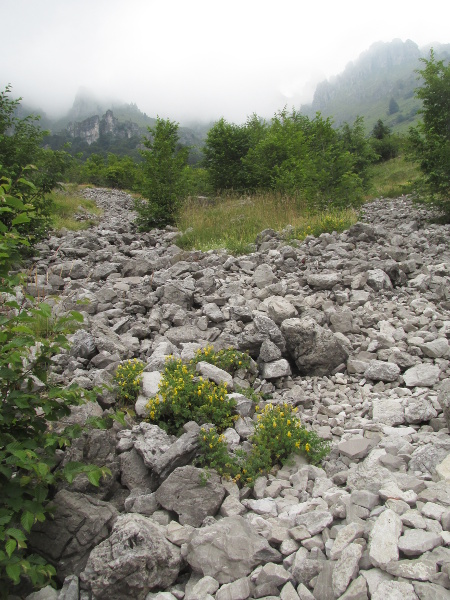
[
  {"x": 127, "y": 378},
  {"x": 184, "y": 396},
  {"x": 233, "y": 222},
  {"x": 71, "y": 211}
]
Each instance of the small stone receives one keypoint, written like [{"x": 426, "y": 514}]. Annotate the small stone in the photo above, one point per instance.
[
  {"x": 357, "y": 447},
  {"x": 378, "y": 370}
]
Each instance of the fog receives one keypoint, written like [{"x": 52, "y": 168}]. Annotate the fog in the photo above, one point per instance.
[{"x": 197, "y": 59}]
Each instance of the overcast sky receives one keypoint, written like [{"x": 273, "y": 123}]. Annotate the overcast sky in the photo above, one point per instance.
[{"x": 198, "y": 59}]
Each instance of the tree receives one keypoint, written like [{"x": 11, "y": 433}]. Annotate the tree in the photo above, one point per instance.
[
  {"x": 33, "y": 170},
  {"x": 163, "y": 176},
  {"x": 355, "y": 141},
  {"x": 393, "y": 106},
  {"x": 384, "y": 144},
  {"x": 430, "y": 140},
  {"x": 226, "y": 146}
]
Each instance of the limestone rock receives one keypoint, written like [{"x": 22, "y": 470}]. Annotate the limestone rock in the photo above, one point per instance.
[
  {"x": 228, "y": 550},
  {"x": 186, "y": 493},
  {"x": 134, "y": 560}
]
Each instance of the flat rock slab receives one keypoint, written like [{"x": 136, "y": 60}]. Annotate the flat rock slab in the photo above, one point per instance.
[
  {"x": 383, "y": 546},
  {"x": 357, "y": 447}
]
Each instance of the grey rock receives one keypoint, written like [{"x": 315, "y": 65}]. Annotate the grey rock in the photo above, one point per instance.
[
  {"x": 228, "y": 550},
  {"x": 356, "y": 447},
  {"x": 134, "y": 560},
  {"x": 345, "y": 536},
  {"x": 395, "y": 590},
  {"x": 186, "y": 493},
  {"x": 46, "y": 593},
  {"x": 444, "y": 399},
  {"x": 357, "y": 590},
  {"x": 80, "y": 522},
  {"x": 269, "y": 351},
  {"x": 215, "y": 374},
  {"x": 70, "y": 589},
  {"x": 418, "y": 410},
  {"x": 316, "y": 351},
  {"x": 430, "y": 591},
  {"x": 382, "y": 371},
  {"x": 280, "y": 309},
  {"x": 134, "y": 473},
  {"x": 346, "y": 568},
  {"x": 383, "y": 546},
  {"x": 315, "y": 521},
  {"x": 323, "y": 281},
  {"x": 263, "y": 276},
  {"x": 275, "y": 369},
  {"x": 83, "y": 345},
  {"x": 378, "y": 280},
  {"x": 415, "y": 542},
  {"x": 422, "y": 375}
]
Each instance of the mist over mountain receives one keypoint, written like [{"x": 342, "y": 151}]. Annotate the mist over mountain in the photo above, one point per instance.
[{"x": 379, "y": 84}]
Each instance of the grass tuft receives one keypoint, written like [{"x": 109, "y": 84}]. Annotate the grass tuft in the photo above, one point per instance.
[{"x": 67, "y": 203}]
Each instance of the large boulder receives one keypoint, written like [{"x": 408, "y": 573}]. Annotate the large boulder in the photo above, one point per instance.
[
  {"x": 134, "y": 560},
  {"x": 79, "y": 523},
  {"x": 192, "y": 494},
  {"x": 316, "y": 350},
  {"x": 228, "y": 550}
]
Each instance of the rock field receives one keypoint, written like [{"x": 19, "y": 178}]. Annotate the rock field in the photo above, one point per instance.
[{"x": 352, "y": 328}]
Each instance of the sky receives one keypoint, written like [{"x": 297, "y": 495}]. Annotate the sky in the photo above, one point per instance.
[{"x": 198, "y": 60}]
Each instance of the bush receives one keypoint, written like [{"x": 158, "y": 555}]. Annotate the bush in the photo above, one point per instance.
[
  {"x": 184, "y": 396},
  {"x": 21, "y": 156},
  {"x": 30, "y": 401},
  {"x": 128, "y": 377},
  {"x": 278, "y": 434}
]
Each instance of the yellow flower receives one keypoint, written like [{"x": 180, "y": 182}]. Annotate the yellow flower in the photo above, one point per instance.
[
  {"x": 289, "y": 434},
  {"x": 274, "y": 423},
  {"x": 307, "y": 447}
]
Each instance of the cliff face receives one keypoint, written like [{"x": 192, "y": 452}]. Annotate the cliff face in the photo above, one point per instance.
[{"x": 95, "y": 127}]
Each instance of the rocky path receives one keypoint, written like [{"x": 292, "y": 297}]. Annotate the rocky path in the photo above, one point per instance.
[{"x": 352, "y": 328}]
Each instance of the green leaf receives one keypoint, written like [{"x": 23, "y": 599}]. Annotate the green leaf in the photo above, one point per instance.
[
  {"x": 22, "y": 218},
  {"x": 10, "y": 546},
  {"x": 16, "y": 534},
  {"x": 13, "y": 571},
  {"x": 14, "y": 202},
  {"x": 27, "y": 520}
]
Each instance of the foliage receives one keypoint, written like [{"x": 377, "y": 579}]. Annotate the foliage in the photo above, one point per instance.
[
  {"x": 228, "y": 359},
  {"x": 68, "y": 205},
  {"x": 21, "y": 155},
  {"x": 234, "y": 221},
  {"x": 384, "y": 144},
  {"x": 430, "y": 140},
  {"x": 305, "y": 158},
  {"x": 355, "y": 141},
  {"x": 163, "y": 184},
  {"x": 128, "y": 377},
  {"x": 184, "y": 396},
  {"x": 278, "y": 433},
  {"x": 30, "y": 401},
  {"x": 225, "y": 149},
  {"x": 110, "y": 171}
]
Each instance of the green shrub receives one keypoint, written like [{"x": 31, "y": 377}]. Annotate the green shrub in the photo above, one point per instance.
[
  {"x": 228, "y": 359},
  {"x": 278, "y": 434},
  {"x": 30, "y": 402},
  {"x": 128, "y": 377},
  {"x": 184, "y": 396}
]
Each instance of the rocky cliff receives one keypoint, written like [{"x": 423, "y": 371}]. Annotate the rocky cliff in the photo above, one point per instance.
[
  {"x": 94, "y": 128},
  {"x": 351, "y": 328}
]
